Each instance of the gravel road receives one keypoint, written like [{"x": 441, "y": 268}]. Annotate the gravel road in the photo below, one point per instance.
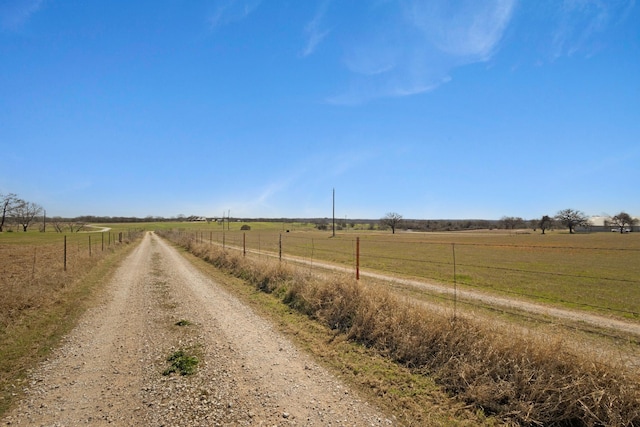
[{"x": 109, "y": 370}]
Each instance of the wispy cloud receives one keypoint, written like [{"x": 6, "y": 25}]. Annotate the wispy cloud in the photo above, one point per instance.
[
  {"x": 14, "y": 14},
  {"x": 411, "y": 47},
  {"x": 313, "y": 30},
  {"x": 579, "y": 21},
  {"x": 467, "y": 29},
  {"x": 228, "y": 11}
]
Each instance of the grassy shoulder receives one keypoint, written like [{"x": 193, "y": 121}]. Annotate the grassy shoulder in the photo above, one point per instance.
[
  {"x": 38, "y": 327},
  {"x": 518, "y": 377},
  {"x": 411, "y": 398}
]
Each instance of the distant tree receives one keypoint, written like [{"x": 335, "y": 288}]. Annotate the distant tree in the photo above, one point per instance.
[
  {"x": 545, "y": 223},
  {"x": 622, "y": 220},
  {"x": 7, "y": 204},
  {"x": 76, "y": 225},
  {"x": 393, "y": 220},
  {"x": 511, "y": 222},
  {"x": 25, "y": 213},
  {"x": 245, "y": 227},
  {"x": 58, "y": 223},
  {"x": 571, "y": 218}
]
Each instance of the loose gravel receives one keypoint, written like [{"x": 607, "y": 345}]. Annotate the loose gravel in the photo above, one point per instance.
[{"x": 109, "y": 370}]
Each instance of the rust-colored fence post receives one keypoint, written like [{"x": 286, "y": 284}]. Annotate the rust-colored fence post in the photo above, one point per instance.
[
  {"x": 65, "y": 253},
  {"x": 102, "y": 235},
  {"x": 33, "y": 269},
  {"x": 280, "y": 247},
  {"x": 244, "y": 244},
  {"x": 357, "y": 258},
  {"x": 455, "y": 284},
  {"x": 89, "y": 244}
]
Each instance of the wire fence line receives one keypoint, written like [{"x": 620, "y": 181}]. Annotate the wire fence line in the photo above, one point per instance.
[
  {"x": 66, "y": 252},
  {"x": 588, "y": 278}
]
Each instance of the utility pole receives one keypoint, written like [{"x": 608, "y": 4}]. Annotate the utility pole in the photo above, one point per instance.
[{"x": 334, "y": 212}]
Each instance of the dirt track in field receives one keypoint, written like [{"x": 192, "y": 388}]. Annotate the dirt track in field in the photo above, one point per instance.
[
  {"x": 576, "y": 317},
  {"x": 109, "y": 370}
]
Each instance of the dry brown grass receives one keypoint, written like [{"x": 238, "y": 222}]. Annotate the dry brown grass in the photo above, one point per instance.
[
  {"x": 39, "y": 301},
  {"x": 522, "y": 379}
]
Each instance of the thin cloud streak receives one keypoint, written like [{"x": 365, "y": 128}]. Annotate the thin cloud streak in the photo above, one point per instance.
[
  {"x": 228, "y": 11},
  {"x": 314, "y": 34},
  {"x": 14, "y": 15},
  {"x": 579, "y": 21}
]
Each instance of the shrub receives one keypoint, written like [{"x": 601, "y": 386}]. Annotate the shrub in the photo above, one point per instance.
[{"x": 522, "y": 379}]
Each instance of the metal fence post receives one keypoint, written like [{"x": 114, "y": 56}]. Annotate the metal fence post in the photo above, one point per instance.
[{"x": 357, "y": 258}]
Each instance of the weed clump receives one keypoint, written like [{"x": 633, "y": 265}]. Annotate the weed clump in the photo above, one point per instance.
[
  {"x": 181, "y": 363},
  {"x": 521, "y": 379}
]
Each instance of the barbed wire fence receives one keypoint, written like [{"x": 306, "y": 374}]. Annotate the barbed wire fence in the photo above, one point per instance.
[
  {"x": 480, "y": 266},
  {"x": 67, "y": 252}
]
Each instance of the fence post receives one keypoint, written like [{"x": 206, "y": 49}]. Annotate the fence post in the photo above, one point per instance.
[
  {"x": 357, "y": 258},
  {"x": 223, "y": 239},
  {"x": 65, "y": 252},
  {"x": 280, "y": 247},
  {"x": 33, "y": 269},
  {"x": 244, "y": 244},
  {"x": 455, "y": 284},
  {"x": 102, "y": 236},
  {"x": 89, "y": 244}
]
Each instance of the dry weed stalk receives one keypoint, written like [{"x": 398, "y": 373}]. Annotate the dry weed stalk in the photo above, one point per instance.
[{"x": 519, "y": 378}]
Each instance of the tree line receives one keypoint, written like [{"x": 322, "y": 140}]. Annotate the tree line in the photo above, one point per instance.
[
  {"x": 566, "y": 218},
  {"x": 18, "y": 211}
]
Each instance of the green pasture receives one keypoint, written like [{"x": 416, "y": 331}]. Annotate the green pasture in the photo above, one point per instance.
[{"x": 591, "y": 271}]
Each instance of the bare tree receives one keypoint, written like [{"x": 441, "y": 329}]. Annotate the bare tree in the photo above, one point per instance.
[
  {"x": 622, "y": 220},
  {"x": 58, "y": 224},
  {"x": 545, "y": 223},
  {"x": 511, "y": 222},
  {"x": 7, "y": 203},
  {"x": 393, "y": 220},
  {"x": 25, "y": 213},
  {"x": 571, "y": 218},
  {"x": 76, "y": 226}
]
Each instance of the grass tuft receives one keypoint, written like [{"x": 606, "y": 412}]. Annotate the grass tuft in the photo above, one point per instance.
[
  {"x": 181, "y": 363},
  {"x": 519, "y": 378}
]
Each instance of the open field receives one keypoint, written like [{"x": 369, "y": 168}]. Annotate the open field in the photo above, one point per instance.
[
  {"x": 39, "y": 300},
  {"x": 33, "y": 290},
  {"x": 595, "y": 272},
  {"x": 508, "y": 371}
]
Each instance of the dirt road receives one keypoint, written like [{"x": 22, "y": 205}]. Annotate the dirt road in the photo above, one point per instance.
[{"x": 110, "y": 368}]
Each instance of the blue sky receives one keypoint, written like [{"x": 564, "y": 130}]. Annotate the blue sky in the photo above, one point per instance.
[{"x": 432, "y": 109}]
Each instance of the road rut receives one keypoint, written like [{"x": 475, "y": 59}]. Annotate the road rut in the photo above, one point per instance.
[{"x": 109, "y": 370}]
